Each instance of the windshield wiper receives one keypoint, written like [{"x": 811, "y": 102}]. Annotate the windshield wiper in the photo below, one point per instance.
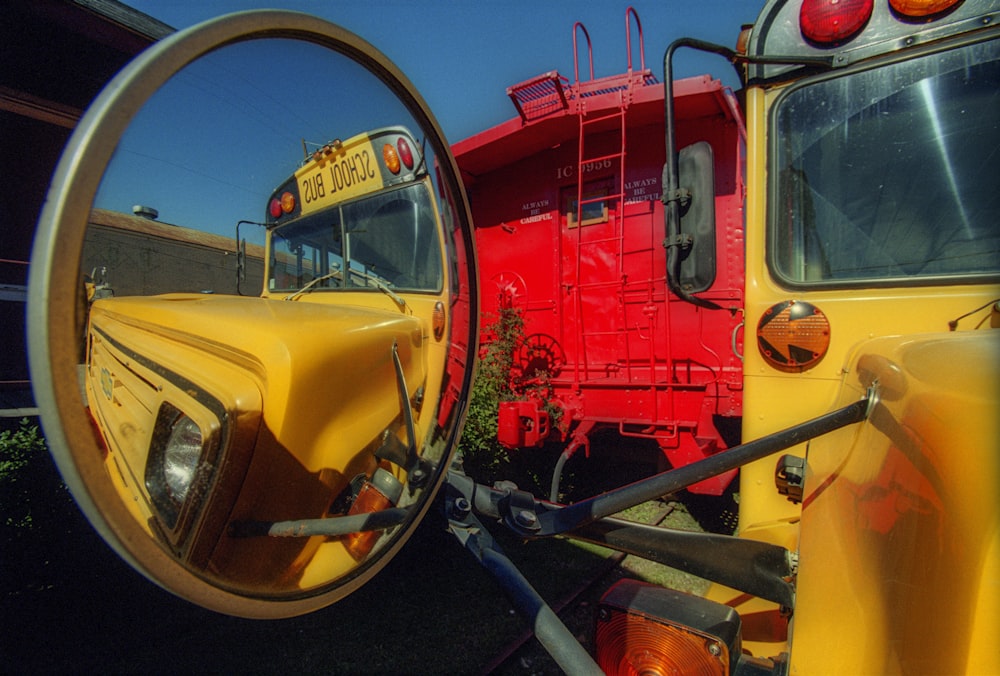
[
  {"x": 374, "y": 281},
  {"x": 311, "y": 284},
  {"x": 383, "y": 287}
]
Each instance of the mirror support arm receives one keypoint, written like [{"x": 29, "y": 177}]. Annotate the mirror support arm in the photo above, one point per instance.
[
  {"x": 530, "y": 517},
  {"x": 241, "y": 257},
  {"x": 757, "y": 568},
  {"x": 550, "y": 631},
  {"x": 332, "y": 526},
  {"x": 673, "y": 194},
  {"x": 411, "y": 444},
  {"x": 554, "y": 520},
  {"x": 754, "y": 567}
]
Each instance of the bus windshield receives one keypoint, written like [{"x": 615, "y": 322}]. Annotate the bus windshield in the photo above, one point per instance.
[
  {"x": 889, "y": 175},
  {"x": 389, "y": 239}
]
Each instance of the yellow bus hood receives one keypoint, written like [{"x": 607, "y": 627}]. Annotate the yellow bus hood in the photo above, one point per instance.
[{"x": 314, "y": 363}]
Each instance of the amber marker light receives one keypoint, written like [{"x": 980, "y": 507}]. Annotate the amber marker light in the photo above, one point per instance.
[
  {"x": 391, "y": 158},
  {"x": 830, "y": 22},
  {"x": 287, "y": 202},
  {"x": 437, "y": 320},
  {"x": 793, "y": 335},
  {"x": 921, "y": 8},
  {"x": 645, "y": 629},
  {"x": 380, "y": 492}
]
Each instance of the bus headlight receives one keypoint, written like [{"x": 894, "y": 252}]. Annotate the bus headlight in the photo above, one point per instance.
[
  {"x": 177, "y": 463},
  {"x": 180, "y": 458}
]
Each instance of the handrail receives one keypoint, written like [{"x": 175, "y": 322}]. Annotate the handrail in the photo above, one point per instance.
[
  {"x": 576, "y": 56},
  {"x": 628, "y": 40}
]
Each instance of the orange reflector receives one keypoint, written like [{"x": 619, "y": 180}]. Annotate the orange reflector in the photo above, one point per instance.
[
  {"x": 391, "y": 158},
  {"x": 793, "y": 336},
  {"x": 922, "y": 7},
  {"x": 829, "y": 22},
  {"x": 437, "y": 320},
  {"x": 380, "y": 492},
  {"x": 646, "y": 629},
  {"x": 743, "y": 40},
  {"x": 287, "y": 202}
]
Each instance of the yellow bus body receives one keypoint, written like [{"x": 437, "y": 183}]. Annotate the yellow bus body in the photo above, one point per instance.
[
  {"x": 303, "y": 388},
  {"x": 897, "y": 535},
  {"x": 293, "y": 394}
]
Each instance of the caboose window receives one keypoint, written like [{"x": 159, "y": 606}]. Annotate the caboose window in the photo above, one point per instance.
[
  {"x": 888, "y": 176},
  {"x": 595, "y": 204}
]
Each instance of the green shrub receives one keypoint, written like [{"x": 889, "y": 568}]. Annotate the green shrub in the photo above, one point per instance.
[
  {"x": 483, "y": 456},
  {"x": 18, "y": 450}
]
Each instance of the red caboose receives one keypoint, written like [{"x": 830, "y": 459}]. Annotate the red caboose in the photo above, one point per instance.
[{"x": 568, "y": 208}]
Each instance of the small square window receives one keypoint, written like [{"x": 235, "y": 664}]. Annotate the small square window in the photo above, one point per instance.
[{"x": 595, "y": 204}]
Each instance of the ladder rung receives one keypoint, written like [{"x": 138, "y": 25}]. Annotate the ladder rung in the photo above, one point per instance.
[
  {"x": 600, "y": 240},
  {"x": 601, "y": 158},
  {"x": 601, "y": 198},
  {"x": 601, "y": 118}
]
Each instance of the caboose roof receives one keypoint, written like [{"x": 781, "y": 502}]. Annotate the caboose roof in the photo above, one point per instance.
[{"x": 549, "y": 108}]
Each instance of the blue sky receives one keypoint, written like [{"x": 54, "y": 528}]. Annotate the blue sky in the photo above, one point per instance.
[
  {"x": 462, "y": 55},
  {"x": 209, "y": 150}
]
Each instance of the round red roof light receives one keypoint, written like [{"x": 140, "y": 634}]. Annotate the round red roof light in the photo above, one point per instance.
[
  {"x": 830, "y": 22},
  {"x": 405, "y": 154}
]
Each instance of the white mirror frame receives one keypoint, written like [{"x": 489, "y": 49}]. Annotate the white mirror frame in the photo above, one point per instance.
[{"x": 54, "y": 281}]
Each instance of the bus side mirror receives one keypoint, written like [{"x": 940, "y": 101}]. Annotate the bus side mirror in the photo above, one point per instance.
[
  {"x": 697, "y": 178},
  {"x": 164, "y": 493}
]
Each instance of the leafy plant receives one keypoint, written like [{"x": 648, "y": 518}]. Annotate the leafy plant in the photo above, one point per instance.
[
  {"x": 17, "y": 450},
  {"x": 482, "y": 454}
]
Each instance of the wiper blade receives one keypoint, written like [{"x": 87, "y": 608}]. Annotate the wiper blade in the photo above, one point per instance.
[
  {"x": 312, "y": 283},
  {"x": 373, "y": 281},
  {"x": 382, "y": 286}
]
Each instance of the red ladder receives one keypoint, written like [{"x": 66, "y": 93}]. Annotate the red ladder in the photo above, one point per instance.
[{"x": 601, "y": 123}]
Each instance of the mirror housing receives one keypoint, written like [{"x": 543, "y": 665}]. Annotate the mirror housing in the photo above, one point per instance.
[
  {"x": 58, "y": 312},
  {"x": 697, "y": 178}
]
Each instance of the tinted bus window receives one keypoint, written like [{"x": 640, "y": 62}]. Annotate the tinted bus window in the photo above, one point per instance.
[{"x": 888, "y": 175}]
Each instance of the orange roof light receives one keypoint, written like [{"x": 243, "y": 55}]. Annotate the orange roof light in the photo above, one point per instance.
[
  {"x": 830, "y": 22},
  {"x": 281, "y": 205},
  {"x": 922, "y": 7},
  {"x": 391, "y": 158},
  {"x": 743, "y": 40}
]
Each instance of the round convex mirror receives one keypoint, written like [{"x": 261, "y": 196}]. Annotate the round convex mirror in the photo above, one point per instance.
[{"x": 251, "y": 309}]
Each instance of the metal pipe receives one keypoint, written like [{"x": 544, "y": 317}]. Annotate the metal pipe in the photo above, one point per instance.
[
  {"x": 553, "y": 520},
  {"x": 749, "y": 566},
  {"x": 331, "y": 526},
  {"x": 557, "y": 640}
]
